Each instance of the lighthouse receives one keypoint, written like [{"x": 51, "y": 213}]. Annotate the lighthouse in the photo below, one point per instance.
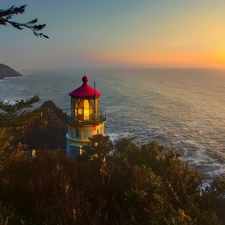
[{"x": 86, "y": 118}]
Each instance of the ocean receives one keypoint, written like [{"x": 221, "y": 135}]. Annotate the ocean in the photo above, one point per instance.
[{"x": 180, "y": 108}]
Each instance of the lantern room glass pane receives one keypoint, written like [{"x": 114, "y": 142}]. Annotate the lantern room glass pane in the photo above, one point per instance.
[
  {"x": 83, "y": 110},
  {"x": 76, "y": 101},
  {"x": 87, "y": 110}
]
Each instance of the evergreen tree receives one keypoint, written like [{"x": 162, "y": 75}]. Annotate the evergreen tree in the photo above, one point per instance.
[
  {"x": 16, "y": 114},
  {"x": 135, "y": 188},
  {"x": 13, "y": 119},
  {"x": 6, "y": 19}
]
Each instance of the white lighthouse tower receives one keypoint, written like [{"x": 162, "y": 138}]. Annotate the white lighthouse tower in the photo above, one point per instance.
[{"x": 86, "y": 118}]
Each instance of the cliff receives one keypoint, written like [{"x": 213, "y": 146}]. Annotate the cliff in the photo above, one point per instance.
[
  {"x": 6, "y": 71},
  {"x": 45, "y": 131}
]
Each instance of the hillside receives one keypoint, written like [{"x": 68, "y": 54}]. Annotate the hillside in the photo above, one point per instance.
[
  {"x": 6, "y": 71},
  {"x": 46, "y": 128}
]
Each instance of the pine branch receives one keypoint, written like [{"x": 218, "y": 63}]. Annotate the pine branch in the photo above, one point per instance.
[
  {"x": 15, "y": 109},
  {"x": 15, "y": 115},
  {"x": 6, "y": 16}
]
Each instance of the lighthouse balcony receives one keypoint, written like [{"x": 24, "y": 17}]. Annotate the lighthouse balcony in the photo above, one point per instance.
[{"x": 92, "y": 121}]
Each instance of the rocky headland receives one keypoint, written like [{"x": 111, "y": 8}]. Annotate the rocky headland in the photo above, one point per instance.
[
  {"x": 6, "y": 71},
  {"x": 46, "y": 129}
]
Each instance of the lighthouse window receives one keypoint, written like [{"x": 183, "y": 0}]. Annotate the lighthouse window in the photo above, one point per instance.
[
  {"x": 75, "y": 109},
  {"x": 77, "y": 133},
  {"x": 85, "y": 110}
]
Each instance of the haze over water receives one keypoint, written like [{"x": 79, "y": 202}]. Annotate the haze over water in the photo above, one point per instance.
[{"x": 184, "y": 108}]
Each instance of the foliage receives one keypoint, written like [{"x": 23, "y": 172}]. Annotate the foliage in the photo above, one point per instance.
[
  {"x": 13, "y": 119},
  {"x": 134, "y": 185},
  {"x": 7, "y": 14},
  {"x": 16, "y": 114},
  {"x": 98, "y": 148},
  {"x": 12, "y": 115}
]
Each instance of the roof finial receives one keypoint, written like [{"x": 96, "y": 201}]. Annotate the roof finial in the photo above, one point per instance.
[{"x": 85, "y": 80}]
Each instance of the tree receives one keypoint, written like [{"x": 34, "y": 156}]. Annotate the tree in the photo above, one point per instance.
[
  {"x": 15, "y": 114},
  {"x": 13, "y": 118},
  {"x": 98, "y": 148},
  {"x": 135, "y": 188},
  {"x": 6, "y": 19}
]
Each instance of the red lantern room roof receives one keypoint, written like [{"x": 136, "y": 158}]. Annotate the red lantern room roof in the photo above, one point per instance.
[{"x": 85, "y": 90}]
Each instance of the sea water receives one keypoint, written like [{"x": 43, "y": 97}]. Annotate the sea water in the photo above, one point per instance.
[{"x": 180, "y": 108}]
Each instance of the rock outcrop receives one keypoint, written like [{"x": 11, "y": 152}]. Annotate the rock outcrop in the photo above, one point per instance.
[
  {"x": 6, "y": 71},
  {"x": 51, "y": 105},
  {"x": 46, "y": 130}
]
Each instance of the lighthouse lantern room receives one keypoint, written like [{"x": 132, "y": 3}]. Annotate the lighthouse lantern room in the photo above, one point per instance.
[{"x": 86, "y": 118}]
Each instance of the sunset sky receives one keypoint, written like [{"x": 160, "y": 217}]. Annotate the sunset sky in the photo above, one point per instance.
[{"x": 117, "y": 33}]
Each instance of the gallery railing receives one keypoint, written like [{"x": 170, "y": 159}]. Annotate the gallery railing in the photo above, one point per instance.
[{"x": 91, "y": 121}]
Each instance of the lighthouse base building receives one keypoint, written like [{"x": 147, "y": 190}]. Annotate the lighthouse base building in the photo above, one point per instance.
[{"x": 86, "y": 118}]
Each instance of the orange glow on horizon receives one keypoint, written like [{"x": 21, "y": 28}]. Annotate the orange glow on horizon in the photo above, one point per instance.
[{"x": 166, "y": 60}]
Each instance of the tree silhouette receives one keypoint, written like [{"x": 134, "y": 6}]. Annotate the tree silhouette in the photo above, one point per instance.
[
  {"x": 6, "y": 19},
  {"x": 16, "y": 114},
  {"x": 133, "y": 187}
]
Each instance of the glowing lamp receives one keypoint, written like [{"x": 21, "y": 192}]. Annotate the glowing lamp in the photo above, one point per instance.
[
  {"x": 85, "y": 103},
  {"x": 83, "y": 110}
]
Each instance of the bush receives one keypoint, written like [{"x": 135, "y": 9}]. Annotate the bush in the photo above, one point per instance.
[{"x": 135, "y": 185}]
